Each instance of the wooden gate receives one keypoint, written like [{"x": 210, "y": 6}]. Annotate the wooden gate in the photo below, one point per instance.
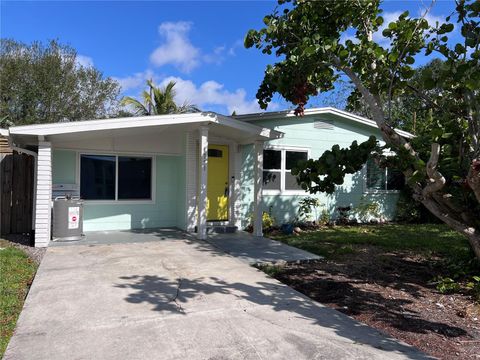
[{"x": 16, "y": 186}]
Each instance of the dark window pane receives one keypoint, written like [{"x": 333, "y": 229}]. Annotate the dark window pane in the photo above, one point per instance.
[
  {"x": 97, "y": 177},
  {"x": 291, "y": 182},
  {"x": 293, "y": 157},
  {"x": 271, "y": 180},
  {"x": 395, "y": 179},
  {"x": 375, "y": 176},
  {"x": 134, "y": 178},
  {"x": 272, "y": 159},
  {"x": 215, "y": 153}
]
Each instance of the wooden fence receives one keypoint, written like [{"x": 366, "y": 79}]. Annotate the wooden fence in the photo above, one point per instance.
[{"x": 16, "y": 191}]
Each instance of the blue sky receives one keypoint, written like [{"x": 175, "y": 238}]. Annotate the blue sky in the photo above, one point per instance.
[{"x": 199, "y": 44}]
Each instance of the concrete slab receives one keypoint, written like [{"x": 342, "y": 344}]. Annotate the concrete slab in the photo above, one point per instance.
[
  {"x": 257, "y": 250},
  {"x": 175, "y": 298}
]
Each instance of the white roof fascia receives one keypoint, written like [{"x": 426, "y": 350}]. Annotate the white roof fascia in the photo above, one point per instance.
[
  {"x": 317, "y": 111},
  {"x": 107, "y": 124},
  {"x": 255, "y": 129},
  {"x": 4, "y": 132},
  {"x": 142, "y": 121}
]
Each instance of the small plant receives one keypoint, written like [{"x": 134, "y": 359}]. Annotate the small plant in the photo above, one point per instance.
[
  {"x": 308, "y": 209},
  {"x": 446, "y": 285},
  {"x": 474, "y": 286},
  {"x": 368, "y": 210},
  {"x": 324, "y": 217},
  {"x": 268, "y": 220},
  {"x": 343, "y": 214}
]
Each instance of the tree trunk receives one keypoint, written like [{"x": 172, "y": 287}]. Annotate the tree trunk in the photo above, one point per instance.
[
  {"x": 448, "y": 218},
  {"x": 473, "y": 178}
]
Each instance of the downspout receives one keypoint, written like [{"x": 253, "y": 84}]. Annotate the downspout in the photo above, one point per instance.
[{"x": 35, "y": 165}]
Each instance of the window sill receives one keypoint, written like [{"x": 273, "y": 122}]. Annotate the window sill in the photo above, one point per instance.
[
  {"x": 285, "y": 193},
  {"x": 382, "y": 191}
]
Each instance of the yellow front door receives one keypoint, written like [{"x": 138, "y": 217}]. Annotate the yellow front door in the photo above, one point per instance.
[{"x": 217, "y": 185}]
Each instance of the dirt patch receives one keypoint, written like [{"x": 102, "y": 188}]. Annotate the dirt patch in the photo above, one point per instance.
[{"x": 393, "y": 293}]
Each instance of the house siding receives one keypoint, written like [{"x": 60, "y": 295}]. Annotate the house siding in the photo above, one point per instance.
[
  {"x": 301, "y": 132},
  {"x": 165, "y": 211},
  {"x": 43, "y": 195}
]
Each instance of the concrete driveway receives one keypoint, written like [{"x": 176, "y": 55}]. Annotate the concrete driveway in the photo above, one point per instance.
[{"x": 179, "y": 299}]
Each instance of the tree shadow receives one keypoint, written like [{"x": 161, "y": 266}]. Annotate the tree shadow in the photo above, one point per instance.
[
  {"x": 344, "y": 284},
  {"x": 182, "y": 295}
]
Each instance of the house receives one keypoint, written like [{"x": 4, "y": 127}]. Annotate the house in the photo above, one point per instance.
[{"x": 192, "y": 170}]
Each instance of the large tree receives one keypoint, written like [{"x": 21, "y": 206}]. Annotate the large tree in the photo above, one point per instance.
[
  {"x": 158, "y": 101},
  {"x": 319, "y": 42},
  {"x": 46, "y": 83}
]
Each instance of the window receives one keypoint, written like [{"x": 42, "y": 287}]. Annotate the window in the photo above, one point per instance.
[
  {"x": 277, "y": 169},
  {"x": 383, "y": 179},
  {"x": 97, "y": 177},
  {"x": 272, "y": 160},
  {"x": 109, "y": 177},
  {"x": 134, "y": 178}
]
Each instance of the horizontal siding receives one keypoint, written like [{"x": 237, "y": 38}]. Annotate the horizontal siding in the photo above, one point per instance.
[
  {"x": 43, "y": 195},
  {"x": 301, "y": 132},
  {"x": 164, "y": 212}
]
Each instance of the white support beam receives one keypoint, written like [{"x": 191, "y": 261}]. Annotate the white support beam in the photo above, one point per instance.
[
  {"x": 43, "y": 201},
  {"x": 257, "y": 189},
  {"x": 202, "y": 182},
  {"x": 191, "y": 183}
]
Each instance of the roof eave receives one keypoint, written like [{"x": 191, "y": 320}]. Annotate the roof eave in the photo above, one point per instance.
[{"x": 316, "y": 111}]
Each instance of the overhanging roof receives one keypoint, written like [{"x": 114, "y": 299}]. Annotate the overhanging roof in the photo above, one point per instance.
[
  {"x": 202, "y": 118},
  {"x": 316, "y": 111}
]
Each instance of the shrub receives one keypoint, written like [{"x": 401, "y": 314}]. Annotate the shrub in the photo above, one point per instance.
[
  {"x": 368, "y": 210},
  {"x": 308, "y": 209}
]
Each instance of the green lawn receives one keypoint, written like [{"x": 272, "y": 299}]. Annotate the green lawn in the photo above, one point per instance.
[
  {"x": 428, "y": 239},
  {"x": 16, "y": 274}
]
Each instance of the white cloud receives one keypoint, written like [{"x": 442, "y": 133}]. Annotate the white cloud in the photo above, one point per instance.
[
  {"x": 392, "y": 16},
  {"x": 177, "y": 48},
  {"x": 136, "y": 80},
  {"x": 85, "y": 61},
  {"x": 216, "y": 56},
  {"x": 388, "y": 17},
  {"x": 232, "y": 51},
  {"x": 434, "y": 19},
  {"x": 213, "y": 93}
]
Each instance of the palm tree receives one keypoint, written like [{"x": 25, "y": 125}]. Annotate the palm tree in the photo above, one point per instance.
[{"x": 158, "y": 101}]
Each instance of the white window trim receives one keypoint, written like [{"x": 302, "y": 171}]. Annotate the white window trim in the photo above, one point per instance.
[
  {"x": 366, "y": 190},
  {"x": 117, "y": 201},
  {"x": 283, "y": 170}
]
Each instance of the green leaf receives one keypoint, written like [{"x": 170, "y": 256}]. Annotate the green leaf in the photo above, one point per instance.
[
  {"x": 459, "y": 49},
  {"x": 310, "y": 50},
  {"x": 343, "y": 53},
  {"x": 393, "y": 57},
  {"x": 392, "y": 25}
]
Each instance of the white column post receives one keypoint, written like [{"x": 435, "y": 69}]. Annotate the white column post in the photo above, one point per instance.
[
  {"x": 191, "y": 183},
  {"x": 257, "y": 189},
  {"x": 202, "y": 183},
  {"x": 43, "y": 201}
]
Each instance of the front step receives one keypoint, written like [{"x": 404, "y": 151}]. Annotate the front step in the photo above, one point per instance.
[{"x": 221, "y": 229}]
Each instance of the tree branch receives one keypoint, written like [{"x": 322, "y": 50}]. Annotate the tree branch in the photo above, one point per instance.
[{"x": 437, "y": 180}]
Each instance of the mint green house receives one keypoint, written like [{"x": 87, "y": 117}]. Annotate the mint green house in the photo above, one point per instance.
[{"x": 194, "y": 170}]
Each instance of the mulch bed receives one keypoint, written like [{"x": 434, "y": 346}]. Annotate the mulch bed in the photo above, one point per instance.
[{"x": 393, "y": 292}]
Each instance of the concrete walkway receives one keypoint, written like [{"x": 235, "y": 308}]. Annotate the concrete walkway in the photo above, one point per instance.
[
  {"x": 255, "y": 250},
  {"x": 175, "y": 298}
]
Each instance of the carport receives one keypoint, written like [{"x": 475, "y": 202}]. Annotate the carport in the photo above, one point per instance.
[{"x": 176, "y": 151}]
